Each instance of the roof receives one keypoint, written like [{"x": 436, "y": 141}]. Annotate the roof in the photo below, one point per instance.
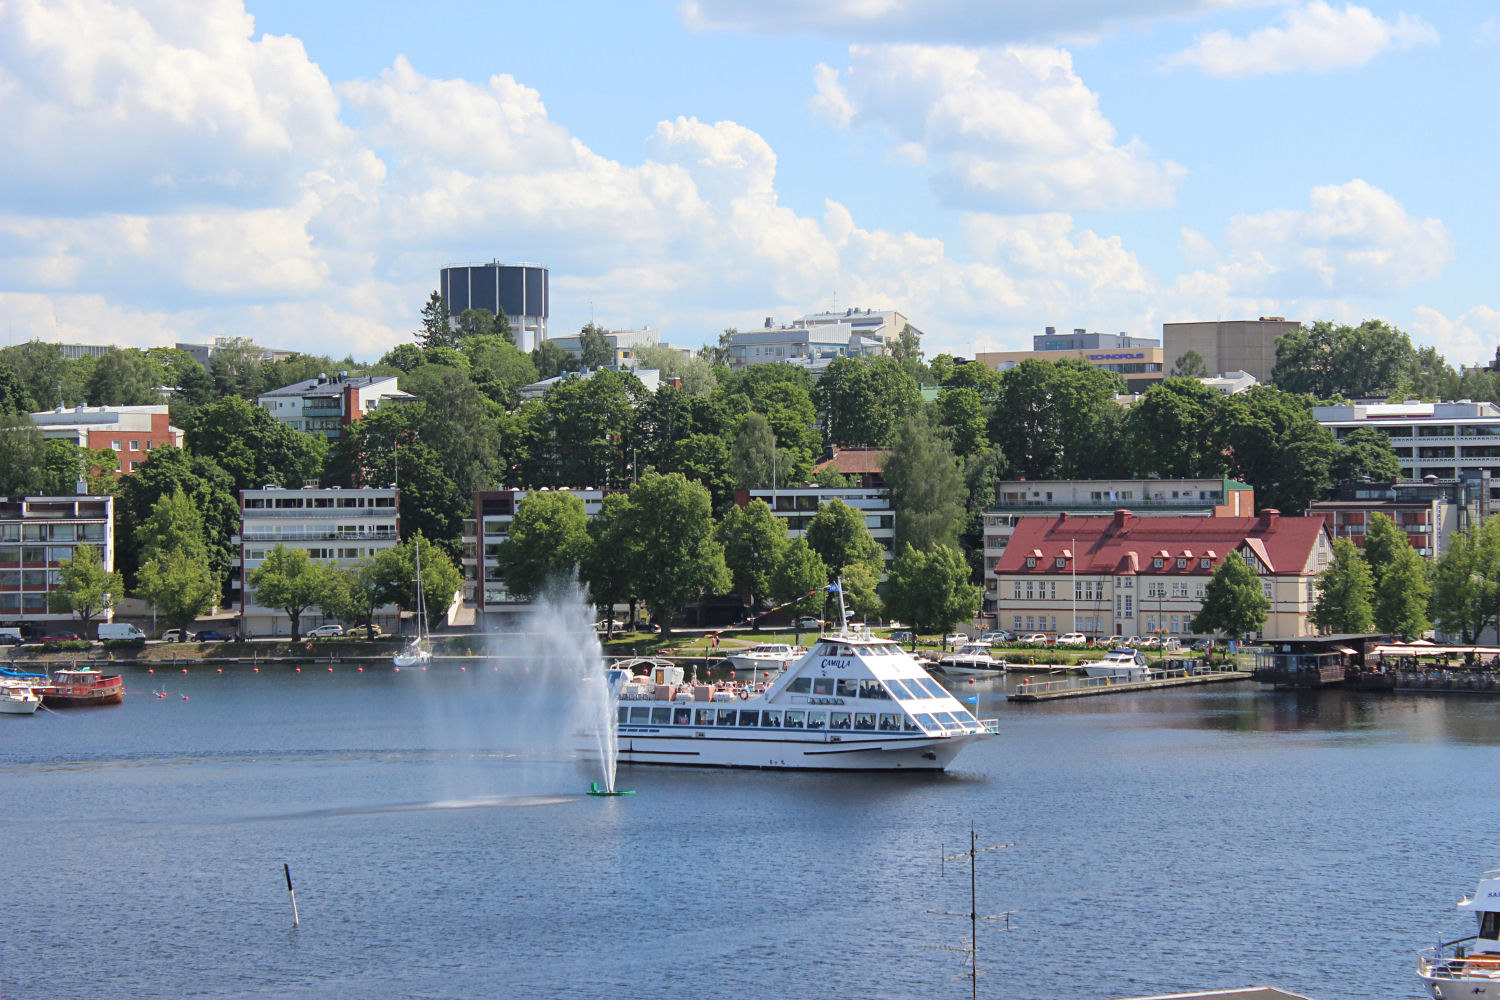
[
  {"x": 1126, "y": 544},
  {"x": 855, "y": 461},
  {"x": 335, "y": 386}
]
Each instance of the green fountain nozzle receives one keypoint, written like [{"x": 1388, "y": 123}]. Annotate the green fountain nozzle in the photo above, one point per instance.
[{"x": 594, "y": 789}]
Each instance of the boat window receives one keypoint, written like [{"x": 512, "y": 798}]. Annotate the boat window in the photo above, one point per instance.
[
  {"x": 794, "y": 719},
  {"x": 705, "y": 716},
  {"x": 640, "y": 714},
  {"x": 817, "y": 720},
  {"x": 822, "y": 685},
  {"x": 728, "y": 716},
  {"x": 910, "y": 725},
  {"x": 966, "y": 717},
  {"x": 749, "y": 718},
  {"x": 771, "y": 719},
  {"x": 847, "y": 688},
  {"x": 838, "y": 720},
  {"x": 661, "y": 716},
  {"x": 928, "y": 722},
  {"x": 800, "y": 685},
  {"x": 682, "y": 717},
  {"x": 890, "y": 723},
  {"x": 932, "y": 687},
  {"x": 864, "y": 720},
  {"x": 872, "y": 689},
  {"x": 900, "y": 689},
  {"x": 624, "y": 714},
  {"x": 1489, "y": 927},
  {"x": 948, "y": 721}
]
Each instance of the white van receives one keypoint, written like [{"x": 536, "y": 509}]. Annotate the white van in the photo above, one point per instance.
[{"x": 119, "y": 630}]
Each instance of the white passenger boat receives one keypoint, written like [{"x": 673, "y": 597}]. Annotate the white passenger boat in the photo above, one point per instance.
[
  {"x": 1121, "y": 664},
  {"x": 1470, "y": 966},
  {"x": 972, "y": 659},
  {"x": 853, "y": 703},
  {"x": 767, "y": 658}
]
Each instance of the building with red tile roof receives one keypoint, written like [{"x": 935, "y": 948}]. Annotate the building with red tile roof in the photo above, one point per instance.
[
  {"x": 1129, "y": 575},
  {"x": 862, "y": 464}
]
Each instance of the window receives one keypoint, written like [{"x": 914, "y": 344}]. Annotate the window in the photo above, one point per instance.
[
  {"x": 1031, "y": 562},
  {"x": 705, "y": 717},
  {"x": 1182, "y": 564},
  {"x": 1156, "y": 563},
  {"x": 1266, "y": 588},
  {"x": 1203, "y": 563},
  {"x": 135, "y": 445},
  {"x": 115, "y": 445},
  {"x": 1017, "y": 623},
  {"x": 800, "y": 685},
  {"x": 1015, "y": 590}
]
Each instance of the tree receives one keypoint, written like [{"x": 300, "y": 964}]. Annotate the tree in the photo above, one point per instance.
[
  {"x": 208, "y": 488},
  {"x": 861, "y": 400},
  {"x": 1058, "y": 420},
  {"x": 704, "y": 458},
  {"x": 23, "y": 454},
  {"x": 1401, "y": 596},
  {"x": 961, "y": 411},
  {"x": 1346, "y": 592},
  {"x": 859, "y": 582},
  {"x": 440, "y": 577},
  {"x": 752, "y": 457},
  {"x": 1189, "y": 364},
  {"x": 290, "y": 581},
  {"x": 254, "y": 447},
  {"x": 609, "y": 564},
  {"x": 1466, "y": 581},
  {"x": 718, "y": 353},
  {"x": 837, "y": 533},
  {"x": 1233, "y": 603},
  {"x": 931, "y": 589},
  {"x": 696, "y": 375},
  {"x": 1277, "y": 447},
  {"x": 1324, "y": 360},
  {"x": 927, "y": 487},
  {"x": 13, "y": 397},
  {"x": 551, "y": 360},
  {"x": 1175, "y": 431},
  {"x": 549, "y": 539},
  {"x": 437, "y": 324},
  {"x": 122, "y": 378},
  {"x": 499, "y": 369},
  {"x": 178, "y": 586},
  {"x": 1383, "y": 544},
  {"x": 751, "y": 537},
  {"x": 174, "y": 525},
  {"x": 236, "y": 368},
  {"x": 799, "y": 579},
  {"x": 595, "y": 349},
  {"x": 85, "y": 588},
  {"x": 680, "y": 558},
  {"x": 1365, "y": 453}
]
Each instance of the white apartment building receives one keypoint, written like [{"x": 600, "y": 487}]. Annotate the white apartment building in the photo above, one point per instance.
[
  {"x": 883, "y": 327},
  {"x": 338, "y": 526},
  {"x": 649, "y": 377},
  {"x": 814, "y": 348},
  {"x": 1446, "y": 440},
  {"x": 36, "y": 535},
  {"x": 1015, "y": 499},
  {"x": 329, "y": 403},
  {"x": 797, "y": 505}
]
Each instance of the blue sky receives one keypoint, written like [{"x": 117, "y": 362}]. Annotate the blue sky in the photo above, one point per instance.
[{"x": 299, "y": 172}]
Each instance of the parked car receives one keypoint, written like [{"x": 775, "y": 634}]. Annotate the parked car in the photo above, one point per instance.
[
  {"x": 176, "y": 635},
  {"x": 808, "y": 623},
  {"x": 1203, "y": 645},
  {"x": 643, "y": 627},
  {"x": 901, "y": 635},
  {"x": 213, "y": 635},
  {"x": 955, "y": 639},
  {"x": 1072, "y": 639},
  {"x": 1171, "y": 643},
  {"x": 11, "y": 639},
  {"x": 1116, "y": 640},
  {"x": 1037, "y": 639},
  {"x": 326, "y": 631},
  {"x": 362, "y": 632},
  {"x": 60, "y": 637},
  {"x": 1000, "y": 636}
]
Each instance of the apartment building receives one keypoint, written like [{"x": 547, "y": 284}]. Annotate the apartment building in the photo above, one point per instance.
[
  {"x": 797, "y": 505},
  {"x": 1459, "y": 440},
  {"x": 813, "y": 348},
  {"x": 1429, "y": 512},
  {"x": 329, "y": 403},
  {"x": 129, "y": 431},
  {"x": 338, "y": 526},
  {"x": 1130, "y": 575},
  {"x": 1081, "y": 498},
  {"x": 36, "y": 535}
]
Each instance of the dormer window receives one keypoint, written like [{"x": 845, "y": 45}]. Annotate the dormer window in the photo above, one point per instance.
[
  {"x": 1156, "y": 563},
  {"x": 1061, "y": 562},
  {"x": 1031, "y": 562},
  {"x": 1203, "y": 564},
  {"x": 1182, "y": 564}
]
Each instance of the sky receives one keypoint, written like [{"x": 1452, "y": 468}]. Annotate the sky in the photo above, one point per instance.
[{"x": 298, "y": 173}]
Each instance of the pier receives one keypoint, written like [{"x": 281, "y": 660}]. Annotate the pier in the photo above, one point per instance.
[{"x": 1087, "y": 687}]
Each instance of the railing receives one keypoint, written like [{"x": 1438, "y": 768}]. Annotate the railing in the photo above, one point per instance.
[
  {"x": 1029, "y": 686},
  {"x": 251, "y": 513},
  {"x": 300, "y": 536}
]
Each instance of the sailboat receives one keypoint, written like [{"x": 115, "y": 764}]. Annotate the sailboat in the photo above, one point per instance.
[{"x": 419, "y": 650}]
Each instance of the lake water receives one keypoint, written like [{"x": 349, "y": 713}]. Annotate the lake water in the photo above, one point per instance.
[{"x": 1162, "y": 842}]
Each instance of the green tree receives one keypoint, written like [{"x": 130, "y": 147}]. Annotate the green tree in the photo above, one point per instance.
[
  {"x": 752, "y": 457},
  {"x": 782, "y": 394},
  {"x": 609, "y": 564},
  {"x": 1277, "y": 447},
  {"x": 1346, "y": 592},
  {"x": 837, "y": 533},
  {"x": 549, "y": 540},
  {"x": 927, "y": 487},
  {"x": 961, "y": 411},
  {"x": 1058, "y": 420},
  {"x": 23, "y": 455},
  {"x": 1401, "y": 596},
  {"x": 1175, "y": 431},
  {"x": 48, "y": 377},
  {"x": 751, "y": 537},
  {"x": 441, "y": 579},
  {"x": 1365, "y": 453},
  {"x": 931, "y": 589},
  {"x": 357, "y": 591},
  {"x": 499, "y": 369},
  {"x": 290, "y": 581},
  {"x": 799, "y": 578},
  {"x": 1466, "y": 581},
  {"x": 437, "y": 325},
  {"x": 1324, "y": 360},
  {"x": 179, "y": 586},
  {"x": 13, "y": 398},
  {"x": 861, "y": 400},
  {"x": 174, "y": 525},
  {"x": 859, "y": 581},
  {"x": 551, "y": 360},
  {"x": 696, "y": 375},
  {"x": 207, "y": 486},
  {"x": 85, "y": 588},
  {"x": 254, "y": 447},
  {"x": 595, "y": 349},
  {"x": 123, "y": 378},
  {"x": 1233, "y": 603},
  {"x": 1189, "y": 364},
  {"x": 680, "y": 557},
  {"x": 1383, "y": 544},
  {"x": 237, "y": 369}
]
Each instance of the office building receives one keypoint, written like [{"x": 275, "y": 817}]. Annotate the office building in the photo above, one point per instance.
[
  {"x": 518, "y": 290},
  {"x": 812, "y": 348},
  {"x": 1138, "y": 360},
  {"x": 797, "y": 505},
  {"x": 1247, "y": 345},
  {"x": 625, "y": 346},
  {"x": 882, "y": 327},
  {"x": 1129, "y": 575},
  {"x": 329, "y": 403},
  {"x": 1093, "y": 498},
  {"x": 1440, "y": 440},
  {"x": 649, "y": 377},
  {"x": 36, "y": 535},
  {"x": 129, "y": 431},
  {"x": 1429, "y": 513},
  {"x": 337, "y": 526}
]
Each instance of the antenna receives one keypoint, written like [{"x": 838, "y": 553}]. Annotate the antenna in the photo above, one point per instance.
[{"x": 972, "y": 951}]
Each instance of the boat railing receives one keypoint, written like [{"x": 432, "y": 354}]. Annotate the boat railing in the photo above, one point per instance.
[
  {"x": 1029, "y": 686},
  {"x": 1450, "y": 960},
  {"x": 990, "y": 725}
]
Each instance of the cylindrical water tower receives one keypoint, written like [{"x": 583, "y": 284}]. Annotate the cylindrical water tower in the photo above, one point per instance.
[{"x": 518, "y": 289}]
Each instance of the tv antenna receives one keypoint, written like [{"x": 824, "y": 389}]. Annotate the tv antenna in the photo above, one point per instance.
[{"x": 970, "y": 857}]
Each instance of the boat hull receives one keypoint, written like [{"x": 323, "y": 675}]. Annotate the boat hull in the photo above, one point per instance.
[
  {"x": 110, "y": 691},
  {"x": 1446, "y": 988},
  {"x": 968, "y": 670},
  {"x": 19, "y": 706},
  {"x": 851, "y": 753}
]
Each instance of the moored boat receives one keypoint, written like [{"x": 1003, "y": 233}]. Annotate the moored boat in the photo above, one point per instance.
[
  {"x": 1121, "y": 664},
  {"x": 80, "y": 688},
  {"x": 972, "y": 659},
  {"x": 1469, "y": 966},
  {"x": 768, "y": 657},
  {"x": 18, "y": 699}
]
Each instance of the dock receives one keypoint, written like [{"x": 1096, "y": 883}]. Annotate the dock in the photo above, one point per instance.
[{"x": 1088, "y": 687}]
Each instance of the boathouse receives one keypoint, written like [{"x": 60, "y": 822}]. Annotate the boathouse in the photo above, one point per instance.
[{"x": 1311, "y": 661}]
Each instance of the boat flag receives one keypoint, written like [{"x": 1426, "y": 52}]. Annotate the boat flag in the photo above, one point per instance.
[{"x": 832, "y": 588}]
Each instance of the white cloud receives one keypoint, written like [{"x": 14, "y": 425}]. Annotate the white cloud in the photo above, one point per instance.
[
  {"x": 1470, "y": 338},
  {"x": 1005, "y": 129},
  {"x": 1316, "y": 37},
  {"x": 968, "y": 21}
]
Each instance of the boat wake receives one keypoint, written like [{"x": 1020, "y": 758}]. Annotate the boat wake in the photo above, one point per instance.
[{"x": 479, "y": 802}]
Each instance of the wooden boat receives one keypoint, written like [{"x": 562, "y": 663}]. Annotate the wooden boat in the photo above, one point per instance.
[{"x": 80, "y": 688}]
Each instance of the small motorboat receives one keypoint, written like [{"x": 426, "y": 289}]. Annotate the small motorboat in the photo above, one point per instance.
[
  {"x": 1121, "y": 663},
  {"x": 1469, "y": 966},
  {"x": 972, "y": 659},
  {"x": 771, "y": 657},
  {"x": 17, "y": 699}
]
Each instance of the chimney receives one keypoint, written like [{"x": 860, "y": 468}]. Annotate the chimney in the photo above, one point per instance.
[
  {"x": 81, "y": 488},
  {"x": 675, "y": 381},
  {"x": 1121, "y": 522},
  {"x": 1268, "y": 518},
  {"x": 1062, "y": 516}
]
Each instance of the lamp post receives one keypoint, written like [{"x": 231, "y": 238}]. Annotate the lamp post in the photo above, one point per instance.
[{"x": 1073, "y": 560}]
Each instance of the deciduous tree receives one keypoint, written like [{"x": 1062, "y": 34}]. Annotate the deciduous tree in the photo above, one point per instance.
[
  {"x": 549, "y": 539},
  {"x": 931, "y": 589},
  {"x": 927, "y": 486},
  {"x": 1346, "y": 592},
  {"x": 799, "y": 579},
  {"x": 680, "y": 557},
  {"x": 1365, "y": 453},
  {"x": 751, "y": 537},
  {"x": 1401, "y": 596},
  {"x": 290, "y": 581},
  {"x": 1176, "y": 431},
  {"x": 1233, "y": 603},
  {"x": 85, "y": 588},
  {"x": 837, "y": 533}
]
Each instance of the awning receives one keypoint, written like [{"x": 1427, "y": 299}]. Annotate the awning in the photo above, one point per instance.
[{"x": 1347, "y": 651}]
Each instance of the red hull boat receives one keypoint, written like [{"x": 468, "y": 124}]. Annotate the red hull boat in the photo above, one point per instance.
[{"x": 78, "y": 688}]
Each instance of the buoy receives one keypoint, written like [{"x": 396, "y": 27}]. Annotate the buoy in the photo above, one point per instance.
[
  {"x": 219, "y": 671},
  {"x": 463, "y": 668},
  {"x": 150, "y": 670},
  {"x": 398, "y": 670},
  {"x": 971, "y": 680},
  {"x": 184, "y": 697},
  {"x": 299, "y": 670},
  {"x": 361, "y": 669},
  {"x": 257, "y": 669},
  {"x": 184, "y": 669},
  {"x": 330, "y": 670}
]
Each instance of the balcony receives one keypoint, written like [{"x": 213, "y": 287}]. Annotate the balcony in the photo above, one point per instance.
[{"x": 317, "y": 535}]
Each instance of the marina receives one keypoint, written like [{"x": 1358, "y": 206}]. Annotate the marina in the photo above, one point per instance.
[{"x": 1030, "y": 690}]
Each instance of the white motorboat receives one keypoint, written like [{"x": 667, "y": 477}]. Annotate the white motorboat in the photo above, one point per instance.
[
  {"x": 972, "y": 659},
  {"x": 767, "y": 658},
  {"x": 855, "y": 702},
  {"x": 18, "y": 699},
  {"x": 1121, "y": 664},
  {"x": 1470, "y": 966}
]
